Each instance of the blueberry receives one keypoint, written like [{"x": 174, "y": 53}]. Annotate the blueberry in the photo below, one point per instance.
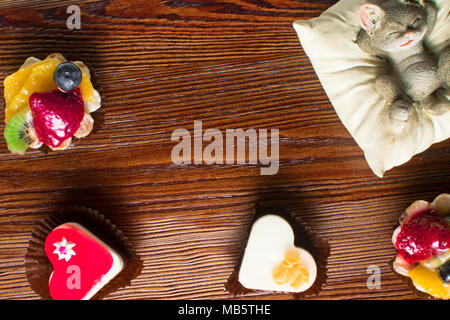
[
  {"x": 67, "y": 76},
  {"x": 444, "y": 272}
]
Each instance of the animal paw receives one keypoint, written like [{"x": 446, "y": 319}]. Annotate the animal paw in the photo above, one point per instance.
[
  {"x": 388, "y": 88},
  {"x": 438, "y": 108},
  {"x": 399, "y": 115},
  {"x": 444, "y": 66}
]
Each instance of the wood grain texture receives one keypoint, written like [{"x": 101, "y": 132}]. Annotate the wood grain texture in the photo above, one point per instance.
[{"x": 232, "y": 64}]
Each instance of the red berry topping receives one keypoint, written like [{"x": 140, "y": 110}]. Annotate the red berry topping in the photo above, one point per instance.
[
  {"x": 423, "y": 237},
  {"x": 56, "y": 115}
]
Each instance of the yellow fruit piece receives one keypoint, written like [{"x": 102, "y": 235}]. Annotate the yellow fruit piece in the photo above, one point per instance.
[
  {"x": 429, "y": 281},
  {"x": 290, "y": 270},
  {"x": 37, "y": 77},
  {"x": 13, "y": 83},
  {"x": 280, "y": 275},
  {"x": 87, "y": 90},
  {"x": 291, "y": 257},
  {"x": 293, "y": 273},
  {"x": 301, "y": 277}
]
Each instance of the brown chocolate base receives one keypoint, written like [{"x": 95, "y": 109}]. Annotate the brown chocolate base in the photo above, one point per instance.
[
  {"x": 38, "y": 267},
  {"x": 304, "y": 237}
]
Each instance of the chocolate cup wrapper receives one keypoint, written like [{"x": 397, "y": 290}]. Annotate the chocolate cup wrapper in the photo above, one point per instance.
[
  {"x": 304, "y": 237},
  {"x": 38, "y": 267}
]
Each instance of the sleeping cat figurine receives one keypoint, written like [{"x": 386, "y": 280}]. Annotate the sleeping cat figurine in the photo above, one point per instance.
[{"x": 395, "y": 30}]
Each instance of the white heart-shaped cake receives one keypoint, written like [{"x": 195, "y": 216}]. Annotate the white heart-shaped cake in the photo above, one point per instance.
[{"x": 271, "y": 261}]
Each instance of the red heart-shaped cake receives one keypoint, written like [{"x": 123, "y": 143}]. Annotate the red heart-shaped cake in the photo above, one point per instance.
[{"x": 82, "y": 263}]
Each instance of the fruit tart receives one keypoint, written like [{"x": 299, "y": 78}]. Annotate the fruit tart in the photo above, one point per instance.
[
  {"x": 423, "y": 246},
  {"x": 48, "y": 103}
]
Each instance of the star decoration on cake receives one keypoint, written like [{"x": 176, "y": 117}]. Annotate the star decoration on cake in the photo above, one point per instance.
[{"x": 64, "y": 249}]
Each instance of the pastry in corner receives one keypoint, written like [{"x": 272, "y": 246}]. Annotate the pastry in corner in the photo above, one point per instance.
[
  {"x": 78, "y": 254},
  {"x": 47, "y": 103},
  {"x": 423, "y": 247}
]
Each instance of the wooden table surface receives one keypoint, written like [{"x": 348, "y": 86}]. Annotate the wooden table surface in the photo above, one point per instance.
[{"x": 232, "y": 64}]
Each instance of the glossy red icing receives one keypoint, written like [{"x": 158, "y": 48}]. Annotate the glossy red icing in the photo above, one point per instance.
[
  {"x": 79, "y": 262},
  {"x": 56, "y": 115},
  {"x": 423, "y": 236}
]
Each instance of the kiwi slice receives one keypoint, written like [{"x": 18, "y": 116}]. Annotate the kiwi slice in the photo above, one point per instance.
[{"x": 17, "y": 132}]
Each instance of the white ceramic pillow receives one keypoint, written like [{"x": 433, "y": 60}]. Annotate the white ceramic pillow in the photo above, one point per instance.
[{"x": 348, "y": 77}]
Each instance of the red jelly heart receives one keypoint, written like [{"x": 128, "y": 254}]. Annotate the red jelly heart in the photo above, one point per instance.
[
  {"x": 422, "y": 237},
  {"x": 82, "y": 263},
  {"x": 56, "y": 115}
]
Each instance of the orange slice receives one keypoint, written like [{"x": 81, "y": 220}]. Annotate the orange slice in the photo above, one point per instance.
[
  {"x": 38, "y": 79},
  {"x": 87, "y": 90},
  {"x": 428, "y": 280},
  {"x": 14, "y": 82}
]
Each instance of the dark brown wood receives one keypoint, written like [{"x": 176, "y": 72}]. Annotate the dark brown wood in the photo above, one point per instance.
[{"x": 232, "y": 64}]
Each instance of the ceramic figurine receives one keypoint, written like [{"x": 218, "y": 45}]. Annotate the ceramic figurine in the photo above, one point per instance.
[{"x": 395, "y": 30}]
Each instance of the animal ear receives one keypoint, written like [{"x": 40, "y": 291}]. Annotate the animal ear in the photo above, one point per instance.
[
  {"x": 370, "y": 17},
  {"x": 421, "y": 2}
]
